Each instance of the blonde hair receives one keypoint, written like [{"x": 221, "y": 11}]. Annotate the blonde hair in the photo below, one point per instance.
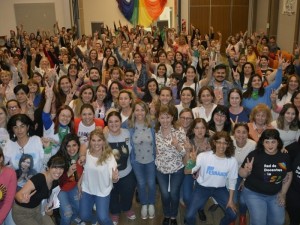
[
  {"x": 106, "y": 151},
  {"x": 261, "y": 108},
  {"x": 130, "y": 94},
  {"x": 147, "y": 120}
]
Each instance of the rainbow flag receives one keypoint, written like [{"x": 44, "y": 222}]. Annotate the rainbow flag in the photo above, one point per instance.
[{"x": 141, "y": 12}]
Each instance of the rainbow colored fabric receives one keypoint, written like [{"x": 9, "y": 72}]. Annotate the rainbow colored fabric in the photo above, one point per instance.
[{"x": 142, "y": 12}]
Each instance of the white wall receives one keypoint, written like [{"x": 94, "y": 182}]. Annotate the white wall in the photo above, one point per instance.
[
  {"x": 262, "y": 15},
  {"x": 286, "y": 30},
  {"x": 8, "y": 18},
  {"x": 185, "y": 12}
]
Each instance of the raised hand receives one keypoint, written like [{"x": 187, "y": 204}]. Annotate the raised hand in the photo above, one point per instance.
[
  {"x": 273, "y": 96},
  {"x": 249, "y": 165},
  {"x": 235, "y": 74},
  {"x": 49, "y": 93},
  {"x": 233, "y": 122}
]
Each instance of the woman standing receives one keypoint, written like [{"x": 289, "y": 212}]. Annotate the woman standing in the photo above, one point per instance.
[
  {"x": 96, "y": 183},
  {"x": 20, "y": 129},
  {"x": 68, "y": 196},
  {"x": 260, "y": 120},
  {"x": 256, "y": 92},
  {"x": 287, "y": 124},
  {"x": 8, "y": 183},
  {"x": 220, "y": 120},
  {"x": 142, "y": 156},
  {"x": 187, "y": 99},
  {"x": 27, "y": 207},
  {"x": 216, "y": 168},
  {"x": 169, "y": 162},
  {"x": 125, "y": 102},
  {"x": 101, "y": 102},
  {"x": 86, "y": 96},
  {"x": 243, "y": 146},
  {"x": 62, "y": 125},
  {"x": 199, "y": 139},
  {"x": 237, "y": 112},
  {"x": 268, "y": 176},
  {"x": 86, "y": 123},
  {"x": 122, "y": 193},
  {"x": 206, "y": 98}
]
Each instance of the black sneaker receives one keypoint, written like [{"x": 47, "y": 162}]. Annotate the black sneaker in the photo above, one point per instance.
[
  {"x": 166, "y": 221},
  {"x": 213, "y": 207},
  {"x": 173, "y": 222},
  {"x": 202, "y": 215}
]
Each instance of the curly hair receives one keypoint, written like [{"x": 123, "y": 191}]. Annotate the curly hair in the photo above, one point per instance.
[
  {"x": 261, "y": 108},
  {"x": 229, "y": 152}
]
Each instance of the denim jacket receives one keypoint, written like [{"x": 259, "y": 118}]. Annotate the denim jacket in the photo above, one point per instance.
[
  {"x": 131, "y": 131},
  {"x": 226, "y": 86}
]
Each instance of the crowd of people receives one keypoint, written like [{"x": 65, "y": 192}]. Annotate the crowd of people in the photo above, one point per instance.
[{"x": 108, "y": 116}]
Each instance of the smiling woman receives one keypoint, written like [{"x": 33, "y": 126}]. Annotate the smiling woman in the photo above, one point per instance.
[
  {"x": 27, "y": 207},
  {"x": 268, "y": 176}
]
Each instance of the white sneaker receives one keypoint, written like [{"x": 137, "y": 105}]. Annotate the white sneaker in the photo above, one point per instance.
[
  {"x": 151, "y": 211},
  {"x": 144, "y": 212}
]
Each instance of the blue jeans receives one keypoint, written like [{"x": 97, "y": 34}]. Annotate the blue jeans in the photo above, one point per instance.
[
  {"x": 187, "y": 188},
  {"x": 122, "y": 194},
  {"x": 200, "y": 196},
  {"x": 170, "y": 192},
  {"x": 239, "y": 198},
  {"x": 263, "y": 209},
  {"x": 69, "y": 205},
  {"x": 87, "y": 202},
  {"x": 145, "y": 176},
  {"x": 9, "y": 220}
]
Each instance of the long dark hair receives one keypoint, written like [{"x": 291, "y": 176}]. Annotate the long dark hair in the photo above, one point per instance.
[
  {"x": 147, "y": 96},
  {"x": 63, "y": 147},
  {"x": 249, "y": 91},
  {"x": 225, "y": 111}
]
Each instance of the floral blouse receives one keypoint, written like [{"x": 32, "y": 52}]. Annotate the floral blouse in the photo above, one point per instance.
[{"x": 168, "y": 158}]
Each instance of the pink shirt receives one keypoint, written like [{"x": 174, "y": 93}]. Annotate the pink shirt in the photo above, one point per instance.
[{"x": 8, "y": 178}]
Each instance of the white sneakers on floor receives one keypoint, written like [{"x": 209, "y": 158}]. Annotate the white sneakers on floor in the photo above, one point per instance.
[
  {"x": 151, "y": 211},
  {"x": 147, "y": 211},
  {"x": 144, "y": 212}
]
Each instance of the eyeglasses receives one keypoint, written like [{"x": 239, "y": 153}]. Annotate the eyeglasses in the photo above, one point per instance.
[
  {"x": 221, "y": 143},
  {"x": 185, "y": 118},
  {"x": 12, "y": 107}
]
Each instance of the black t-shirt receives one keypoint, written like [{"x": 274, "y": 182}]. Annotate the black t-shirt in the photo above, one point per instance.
[
  {"x": 296, "y": 173},
  {"x": 42, "y": 191},
  {"x": 268, "y": 172}
]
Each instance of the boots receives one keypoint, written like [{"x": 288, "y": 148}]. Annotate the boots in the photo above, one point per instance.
[{"x": 243, "y": 220}]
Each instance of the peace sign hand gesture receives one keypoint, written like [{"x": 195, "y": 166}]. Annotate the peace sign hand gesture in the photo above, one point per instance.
[
  {"x": 249, "y": 165},
  {"x": 49, "y": 90},
  {"x": 235, "y": 74}
]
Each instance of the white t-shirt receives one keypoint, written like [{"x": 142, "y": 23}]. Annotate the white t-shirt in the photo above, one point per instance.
[
  {"x": 34, "y": 147},
  {"x": 84, "y": 132},
  {"x": 215, "y": 171},
  {"x": 97, "y": 179},
  {"x": 241, "y": 153},
  {"x": 287, "y": 136}
]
